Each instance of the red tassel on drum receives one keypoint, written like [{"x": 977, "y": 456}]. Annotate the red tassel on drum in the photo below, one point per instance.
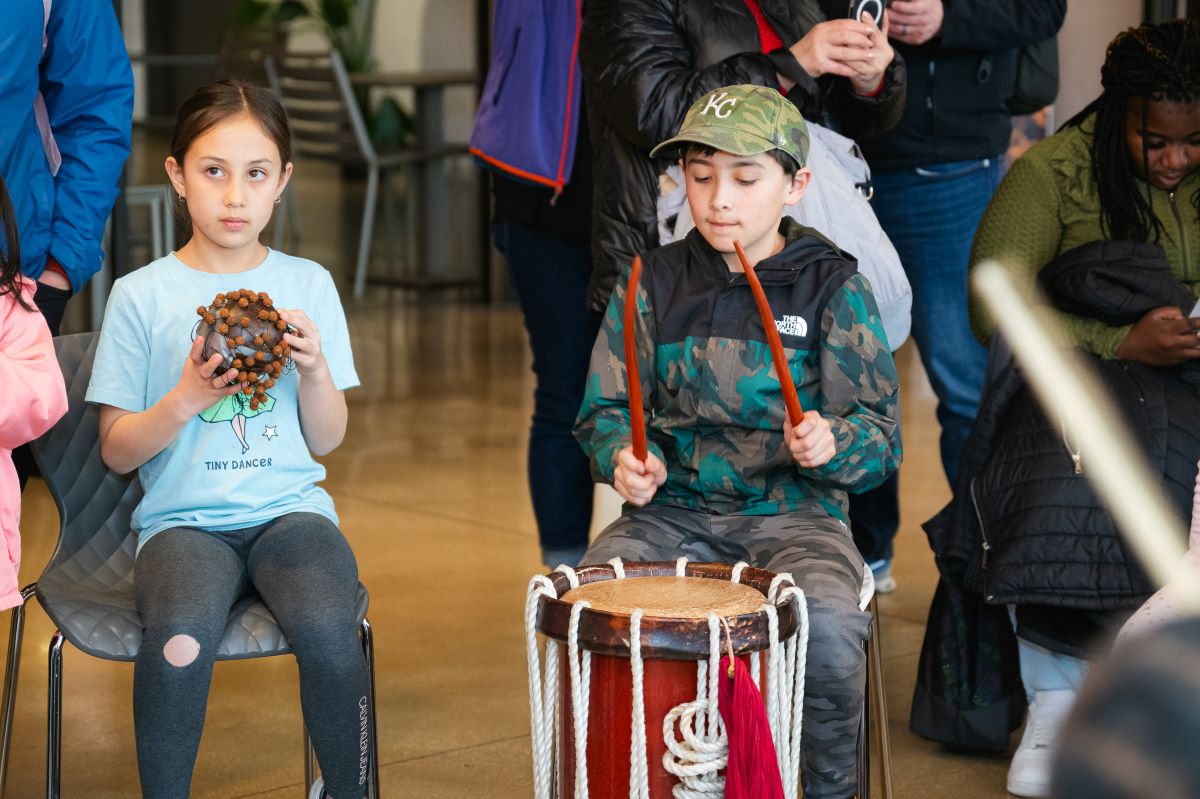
[{"x": 753, "y": 770}]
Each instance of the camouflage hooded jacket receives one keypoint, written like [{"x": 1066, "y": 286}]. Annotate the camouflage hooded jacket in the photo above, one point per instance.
[{"x": 712, "y": 398}]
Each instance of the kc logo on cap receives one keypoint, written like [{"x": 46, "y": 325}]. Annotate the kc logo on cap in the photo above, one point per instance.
[{"x": 719, "y": 105}]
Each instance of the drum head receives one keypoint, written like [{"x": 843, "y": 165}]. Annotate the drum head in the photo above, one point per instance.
[
  {"x": 675, "y": 609},
  {"x": 669, "y": 597}
]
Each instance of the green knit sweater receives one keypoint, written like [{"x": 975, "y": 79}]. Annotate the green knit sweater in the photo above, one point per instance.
[{"x": 1047, "y": 204}]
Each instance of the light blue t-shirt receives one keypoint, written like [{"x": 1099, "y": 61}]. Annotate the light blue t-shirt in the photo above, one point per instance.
[{"x": 245, "y": 467}]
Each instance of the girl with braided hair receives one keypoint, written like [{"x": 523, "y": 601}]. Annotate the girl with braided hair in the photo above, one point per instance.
[
  {"x": 1124, "y": 169},
  {"x": 1121, "y": 176}
]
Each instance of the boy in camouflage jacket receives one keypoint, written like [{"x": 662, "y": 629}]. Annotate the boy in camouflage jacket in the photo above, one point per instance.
[{"x": 727, "y": 478}]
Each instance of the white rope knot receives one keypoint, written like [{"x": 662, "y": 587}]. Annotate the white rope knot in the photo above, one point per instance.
[
  {"x": 681, "y": 566},
  {"x": 698, "y": 759},
  {"x": 618, "y": 568}
]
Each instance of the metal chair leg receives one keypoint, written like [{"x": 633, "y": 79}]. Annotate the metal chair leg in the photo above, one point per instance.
[
  {"x": 12, "y": 669},
  {"x": 876, "y": 687},
  {"x": 864, "y": 734},
  {"x": 54, "y": 718},
  {"x": 368, "y": 644},
  {"x": 310, "y": 761},
  {"x": 293, "y": 217},
  {"x": 368, "y": 225}
]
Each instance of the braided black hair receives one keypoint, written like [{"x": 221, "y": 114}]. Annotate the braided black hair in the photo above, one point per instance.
[
  {"x": 10, "y": 255},
  {"x": 1154, "y": 63}
]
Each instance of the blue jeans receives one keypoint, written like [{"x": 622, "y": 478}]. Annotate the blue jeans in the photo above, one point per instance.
[
  {"x": 930, "y": 213},
  {"x": 550, "y": 276}
]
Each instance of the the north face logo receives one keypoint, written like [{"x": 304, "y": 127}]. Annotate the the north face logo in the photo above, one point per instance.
[
  {"x": 720, "y": 104},
  {"x": 792, "y": 326}
]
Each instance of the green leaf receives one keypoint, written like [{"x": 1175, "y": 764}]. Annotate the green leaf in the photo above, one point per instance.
[
  {"x": 289, "y": 10},
  {"x": 391, "y": 125},
  {"x": 336, "y": 13},
  {"x": 249, "y": 13}
]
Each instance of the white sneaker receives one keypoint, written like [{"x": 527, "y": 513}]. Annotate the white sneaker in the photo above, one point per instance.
[
  {"x": 881, "y": 570},
  {"x": 1029, "y": 772}
]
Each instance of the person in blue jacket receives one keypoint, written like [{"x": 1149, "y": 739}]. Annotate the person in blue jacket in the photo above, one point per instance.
[{"x": 66, "y": 57}]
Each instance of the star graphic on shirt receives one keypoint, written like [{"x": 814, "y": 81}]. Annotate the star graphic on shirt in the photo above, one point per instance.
[{"x": 269, "y": 432}]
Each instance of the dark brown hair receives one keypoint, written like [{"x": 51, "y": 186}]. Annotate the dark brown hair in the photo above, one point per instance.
[
  {"x": 10, "y": 256},
  {"x": 216, "y": 102},
  {"x": 789, "y": 165}
]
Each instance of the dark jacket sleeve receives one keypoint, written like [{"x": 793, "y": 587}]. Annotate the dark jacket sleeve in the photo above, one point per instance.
[
  {"x": 1000, "y": 24},
  {"x": 88, "y": 86},
  {"x": 640, "y": 73},
  {"x": 863, "y": 118}
]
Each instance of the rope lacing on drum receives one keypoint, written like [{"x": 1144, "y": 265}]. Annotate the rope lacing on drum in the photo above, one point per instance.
[
  {"x": 581, "y": 684},
  {"x": 543, "y": 694},
  {"x": 697, "y": 760},
  {"x": 703, "y": 752}
]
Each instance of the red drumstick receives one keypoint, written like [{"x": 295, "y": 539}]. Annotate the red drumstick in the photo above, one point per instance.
[
  {"x": 794, "y": 412},
  {"x": 637, "y": 419}
]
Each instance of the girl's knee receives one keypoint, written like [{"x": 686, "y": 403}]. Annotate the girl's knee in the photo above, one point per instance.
[{"x": 181, "y": 650}]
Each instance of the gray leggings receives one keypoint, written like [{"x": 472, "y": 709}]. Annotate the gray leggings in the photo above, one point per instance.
[{"x": 186, "y": 582}]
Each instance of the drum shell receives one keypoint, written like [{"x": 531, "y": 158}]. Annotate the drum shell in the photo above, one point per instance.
[{"x": 666, "y": 684}]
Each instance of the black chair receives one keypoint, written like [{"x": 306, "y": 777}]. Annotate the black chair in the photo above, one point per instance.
[{"x": 87, "y": 587}]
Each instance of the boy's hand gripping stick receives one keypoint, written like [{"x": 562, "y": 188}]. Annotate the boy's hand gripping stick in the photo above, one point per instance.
[
  {"x": 790, "y": 399},
  {"x": 637, "y": 419}
]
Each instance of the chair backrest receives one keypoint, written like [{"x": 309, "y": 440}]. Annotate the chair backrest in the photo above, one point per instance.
[
  {"x": 324, "y": 113},
  {"x": 96, "y": 544}
]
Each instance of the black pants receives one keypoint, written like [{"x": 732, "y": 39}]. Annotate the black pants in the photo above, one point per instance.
[
  {"x": 186, "y": 581},
  {"x": 52, "y": 302},
  {"x": 875, "y": 519}
]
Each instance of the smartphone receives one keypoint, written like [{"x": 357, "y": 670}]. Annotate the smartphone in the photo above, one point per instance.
[
  {"x": 1195, "y": 310},
  {"x": 872, "y": 7}
]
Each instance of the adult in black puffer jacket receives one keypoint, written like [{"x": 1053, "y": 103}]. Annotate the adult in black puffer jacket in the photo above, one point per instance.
[{"x": 646, "y": 61}]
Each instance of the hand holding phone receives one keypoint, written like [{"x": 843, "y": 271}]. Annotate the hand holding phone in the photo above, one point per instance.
[{"x": 872, "y": 7}]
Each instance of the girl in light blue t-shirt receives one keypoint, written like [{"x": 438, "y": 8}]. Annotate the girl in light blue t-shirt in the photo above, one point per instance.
[{"x": 231, "y": 499}]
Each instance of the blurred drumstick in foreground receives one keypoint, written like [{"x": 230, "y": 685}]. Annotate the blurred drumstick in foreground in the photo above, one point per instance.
[
  {"x": 794, "y": 412},
  {"x": 637, "y": 418},
  {"x": 1116, "y": 467}
]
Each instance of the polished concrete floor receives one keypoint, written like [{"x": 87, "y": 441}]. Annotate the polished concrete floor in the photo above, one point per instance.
[{"x": 430, "y": 485}]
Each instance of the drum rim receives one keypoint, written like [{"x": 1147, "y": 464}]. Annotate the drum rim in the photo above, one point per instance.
[{"x": 607, "y": 633}]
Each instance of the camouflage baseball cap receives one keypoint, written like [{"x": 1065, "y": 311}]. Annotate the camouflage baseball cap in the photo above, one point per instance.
[{"x": 743, "y": 120}]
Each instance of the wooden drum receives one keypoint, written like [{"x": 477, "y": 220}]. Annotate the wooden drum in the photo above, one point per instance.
[{"x": 631, "y": 644}]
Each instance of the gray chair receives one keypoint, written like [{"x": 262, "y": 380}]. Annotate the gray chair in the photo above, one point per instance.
[
  {"x": 328, "y": 125},
  {"x": 87, "y": 588}
]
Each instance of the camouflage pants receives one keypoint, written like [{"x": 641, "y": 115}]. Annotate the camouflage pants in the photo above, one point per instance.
[{"x": 820, "y": 554}]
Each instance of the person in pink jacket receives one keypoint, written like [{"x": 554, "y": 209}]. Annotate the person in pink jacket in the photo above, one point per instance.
[{"x": 32, "y": 394}]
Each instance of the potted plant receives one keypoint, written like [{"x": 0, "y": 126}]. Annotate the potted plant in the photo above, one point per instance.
[{"x": 348, "y": 26}]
